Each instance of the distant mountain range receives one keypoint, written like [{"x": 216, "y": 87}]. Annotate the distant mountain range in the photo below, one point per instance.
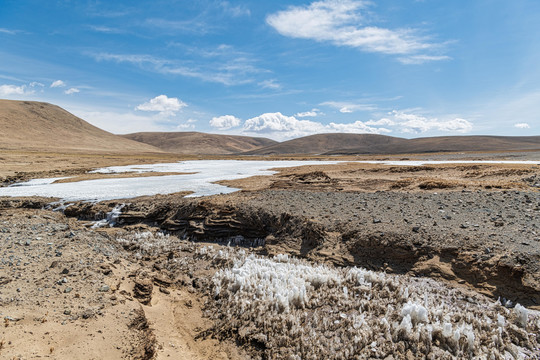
[
  {"x": 28, "y": 125},
  {"x": 349, "y": 144}
]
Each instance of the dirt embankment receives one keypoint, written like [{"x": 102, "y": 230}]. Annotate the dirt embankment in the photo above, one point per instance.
[{"x": 489, "y": 241}]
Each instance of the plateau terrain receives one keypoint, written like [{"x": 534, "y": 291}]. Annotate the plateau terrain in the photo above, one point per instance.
[{"x": 339, "y": 260}]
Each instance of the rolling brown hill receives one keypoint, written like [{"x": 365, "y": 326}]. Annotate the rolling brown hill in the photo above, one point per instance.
[
  {"x": 448, "y": 144},
  {"x": 324, "y": 143},
  {"x": 200, "y": 143},
  {"x": 349, "y": 144},
  {"x": 30, "y": 125}
]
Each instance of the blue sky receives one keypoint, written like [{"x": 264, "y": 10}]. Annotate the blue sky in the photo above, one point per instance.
[{"x": 280, "y": 69}]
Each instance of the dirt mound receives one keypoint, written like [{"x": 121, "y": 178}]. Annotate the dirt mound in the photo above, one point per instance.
[{"x": 30, "y": 125}]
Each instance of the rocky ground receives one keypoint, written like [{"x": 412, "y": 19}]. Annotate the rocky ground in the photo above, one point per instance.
[{"x": 144, "y": 289}]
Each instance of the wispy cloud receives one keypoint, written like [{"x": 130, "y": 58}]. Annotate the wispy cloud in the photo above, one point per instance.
[
  {"x": 106, "y": 29},
  {"x": 194, "y": 25},
  {"x": 235, "y": 71},
  {"x": 420, "y": 59},
  {"x": 71, "y": 91},
  {"x": 9, "y": 31},
  {"x": 349, "y": 107},
  {"x": 270, "y": 84},
  {"x": 343, "y": 23},
  {"x": 235, "y": 10}
]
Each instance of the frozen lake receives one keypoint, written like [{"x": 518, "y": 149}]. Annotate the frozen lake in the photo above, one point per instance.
[
  {"x": 201, "y": 182},
  {"x": 206, "y": 172}
]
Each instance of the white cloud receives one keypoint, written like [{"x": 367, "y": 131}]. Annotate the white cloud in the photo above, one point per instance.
[
  {"x": 225, "y": 122},
  {"x": 349, "y": 107},
  {"x": 164, "y": 105},
  {"x": 58, "y": 83},
  {"x": 522, "y": 126},
  {"x": 36, "y": 84},
  {"x": 311, "y": 113},
  {"x": 71, "y": 91},
  {"x": 12, "y": 90},
  {"x": 413, "y": 123},
  {"x": 343, "y": 23},
  {"x": 279, "y": 126}
]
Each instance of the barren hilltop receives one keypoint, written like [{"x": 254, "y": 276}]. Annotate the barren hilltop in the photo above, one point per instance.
[{"x": 30, "y": 125}]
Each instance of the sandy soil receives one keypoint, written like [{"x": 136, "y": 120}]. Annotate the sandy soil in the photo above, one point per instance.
[{"x": 68, "y": 293}]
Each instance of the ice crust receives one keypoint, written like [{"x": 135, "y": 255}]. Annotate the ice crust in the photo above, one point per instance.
[
  {"x": 302, "y": 311},
  {"x": 202, "y": 182}
]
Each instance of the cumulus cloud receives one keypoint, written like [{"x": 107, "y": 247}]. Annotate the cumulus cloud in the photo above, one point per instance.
[
  {"x": 343, "y": 23},
  {"x": 279, "y": 122},
  {"x": 163, "y": 105},
  {"x": 522, "y": 126},
  {"x": 71, "y": 91},
  {"x": 280, "y": 126},
  {"x": 58, "y": 83},
  {"x": 6, "y": 90},
  {"x": 225, "y": 122},
  {"x": 414, "y": 123}
]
